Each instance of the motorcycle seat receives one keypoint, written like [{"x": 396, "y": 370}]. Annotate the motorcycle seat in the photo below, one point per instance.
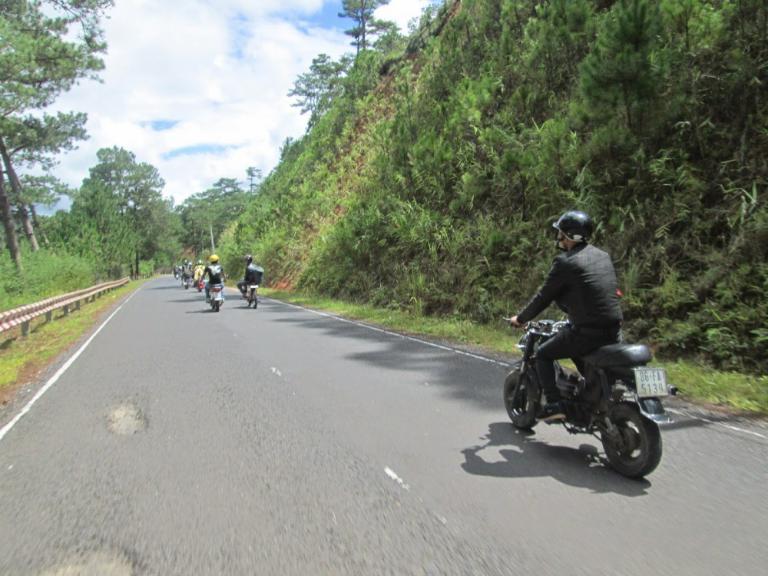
[{"x": 618, "y": 355}]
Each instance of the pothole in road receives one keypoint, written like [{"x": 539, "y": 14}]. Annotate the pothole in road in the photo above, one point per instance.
[
  {"x": 97, "y": 564},
  {"x": 126, "y": 419}
]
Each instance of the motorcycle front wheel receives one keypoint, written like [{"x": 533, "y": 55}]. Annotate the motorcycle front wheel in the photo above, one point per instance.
[
  {"x": 521, "y": 399},
  {"x": 636, "y": 449}
]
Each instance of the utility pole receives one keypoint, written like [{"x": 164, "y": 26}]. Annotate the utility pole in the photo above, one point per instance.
[{"x": 213, "y": 245}]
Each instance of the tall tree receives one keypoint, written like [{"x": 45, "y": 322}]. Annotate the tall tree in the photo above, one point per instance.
[
  {"x": 361, "y": 11},
  {"x": 32, "y": 140},
  {"x": 137, "y": 187},
  {"x": 11, "y": 239},
  {"x": 211, "y": 211},
  {"x": 317, "y": 88},
  {"x": 254, "y": 178},
  {"x": 45, "y": 47},
  {"x": 42, "y": 190},
  {"x": 619, "y": 70}
]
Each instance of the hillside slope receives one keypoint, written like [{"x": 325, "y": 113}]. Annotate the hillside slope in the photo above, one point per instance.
[{"x": 432, "y": 181}]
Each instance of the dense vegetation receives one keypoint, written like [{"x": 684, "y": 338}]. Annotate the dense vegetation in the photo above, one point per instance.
[{"x": 433, "y": 169}]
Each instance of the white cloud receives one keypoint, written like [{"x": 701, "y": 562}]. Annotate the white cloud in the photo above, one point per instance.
[
  {"x": 219, "y": 69},
  {"x": 402, "y": 12}
]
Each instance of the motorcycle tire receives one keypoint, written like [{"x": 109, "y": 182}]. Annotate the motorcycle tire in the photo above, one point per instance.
[
  {"x": 216, "y": 305},
  {"x": 521, "y": 399},
  {"x": 638, "y": 452}
]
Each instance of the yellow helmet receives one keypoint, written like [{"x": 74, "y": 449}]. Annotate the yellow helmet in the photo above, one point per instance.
[{"x": 213, "y": 258}]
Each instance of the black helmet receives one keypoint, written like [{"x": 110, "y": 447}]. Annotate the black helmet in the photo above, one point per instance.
[
  {"x": 576, "y": 225},
  {"x": 249, "y": 258}
]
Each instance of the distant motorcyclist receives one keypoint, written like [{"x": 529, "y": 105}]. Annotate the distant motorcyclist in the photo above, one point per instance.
[
  {"x": 215, "y": 274},
  {"x": 253, "y": 275},
  {"x": 186, "y": 271},
  {"x": 582, "y": 281},
  {"x": 198, "y": 272}
]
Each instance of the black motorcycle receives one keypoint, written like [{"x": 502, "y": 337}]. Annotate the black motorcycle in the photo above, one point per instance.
[
  {"x": 251, "y": 296},
  {"x": 617, "y": 399}
]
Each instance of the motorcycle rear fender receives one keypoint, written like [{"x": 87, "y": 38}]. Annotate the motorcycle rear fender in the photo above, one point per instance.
[{"x": 653, "y": 409}]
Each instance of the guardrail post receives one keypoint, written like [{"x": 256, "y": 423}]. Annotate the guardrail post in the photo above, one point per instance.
[
  {"x": 25, "y": 328},
  {"x": 66, "y": 310},
  {"x": 49, "y": 316},
  {"x": 77, "y": 305}
]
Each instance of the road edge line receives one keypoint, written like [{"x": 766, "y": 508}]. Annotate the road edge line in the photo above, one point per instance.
[
  {"x": 53, "y": 379},
  {"x": 483, "y": 358},
  {"x": 395, "y": 334}
]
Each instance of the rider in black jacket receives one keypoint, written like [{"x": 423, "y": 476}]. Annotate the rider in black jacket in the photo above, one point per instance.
[
  {"x": 253, "y": 275},
  {"x": 582, "y": 282}
]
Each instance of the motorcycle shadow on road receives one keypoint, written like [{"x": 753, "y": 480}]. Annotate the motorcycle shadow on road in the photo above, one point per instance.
[{"x": 526, "y": 457}]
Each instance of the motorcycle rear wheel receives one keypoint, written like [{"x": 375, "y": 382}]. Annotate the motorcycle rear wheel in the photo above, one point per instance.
[
  {"x": 520, "y": 399},
  {"x": 216, "y": 305},
  {"x": 638, "y": 452}
]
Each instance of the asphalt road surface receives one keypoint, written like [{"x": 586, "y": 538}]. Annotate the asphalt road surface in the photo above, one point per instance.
[{"x": 282, "y": 441}]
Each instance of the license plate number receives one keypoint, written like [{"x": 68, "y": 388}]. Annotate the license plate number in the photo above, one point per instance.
[{"x": 651, "y": 382}]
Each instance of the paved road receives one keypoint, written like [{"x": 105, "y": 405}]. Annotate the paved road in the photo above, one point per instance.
[{"x": 280, "y": 441}]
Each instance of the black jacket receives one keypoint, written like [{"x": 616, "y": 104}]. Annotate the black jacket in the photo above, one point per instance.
[
  {"x": 583, "y": 283},
  {"x": 253, "y": 274}
]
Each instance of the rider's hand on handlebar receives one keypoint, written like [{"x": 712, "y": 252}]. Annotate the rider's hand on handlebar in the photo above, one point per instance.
[{"x": 513, "y": 322}]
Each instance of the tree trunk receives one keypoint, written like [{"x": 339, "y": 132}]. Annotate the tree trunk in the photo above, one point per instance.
[
  {"x": 10, "y": 229},
  {"x": 36, "y": 224},
  {"x": 26, "y": 222},
  {"x": 16, "y": 187}
]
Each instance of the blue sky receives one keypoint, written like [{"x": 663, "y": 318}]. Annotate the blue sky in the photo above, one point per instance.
[
  {"x": 198, "y": 88},
  {"x": 327, "y": 17}
]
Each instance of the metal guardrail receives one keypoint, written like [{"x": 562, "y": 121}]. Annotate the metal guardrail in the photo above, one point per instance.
[{"x": 23, "y": 315}]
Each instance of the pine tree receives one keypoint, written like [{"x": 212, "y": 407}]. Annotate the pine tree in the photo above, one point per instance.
[
  {"x": 361, "y": 11},
  {"x": 619, "y": 71},
  {"x": 41, "y": 56}
]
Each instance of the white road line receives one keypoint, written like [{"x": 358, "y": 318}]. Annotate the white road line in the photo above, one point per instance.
[
  {"x": 396, "y": 478},
  {"x": 721, "y": 424},
  {"x": 59, "y": 372},
  {"x": 479, "y": 357},
  {"x": 395, "y": 334}
]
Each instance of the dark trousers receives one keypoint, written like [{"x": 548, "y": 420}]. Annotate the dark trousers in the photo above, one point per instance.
[{"x": 569, "y": 343}]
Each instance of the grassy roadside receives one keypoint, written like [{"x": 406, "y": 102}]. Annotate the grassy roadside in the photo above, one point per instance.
[
  {"x": 21, "y": 358},
  {"x": 743, "y": 392}
]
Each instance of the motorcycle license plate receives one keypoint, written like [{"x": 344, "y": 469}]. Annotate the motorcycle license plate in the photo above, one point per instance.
[{"x": 651, "y": 382}]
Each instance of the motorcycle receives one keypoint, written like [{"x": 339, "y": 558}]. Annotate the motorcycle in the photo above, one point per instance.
[
  {"x": 200, "y": 285},
  {"x": 250, "y": 295},
  {"x": 186, "y": 282},
  {"x": 217, "y": 296},
  {"x": 617, "y": 400}
]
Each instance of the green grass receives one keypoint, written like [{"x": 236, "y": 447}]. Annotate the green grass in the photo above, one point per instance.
[
  {"x": 702, "y": 384},
  {"x": 21, "y": 357}
]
